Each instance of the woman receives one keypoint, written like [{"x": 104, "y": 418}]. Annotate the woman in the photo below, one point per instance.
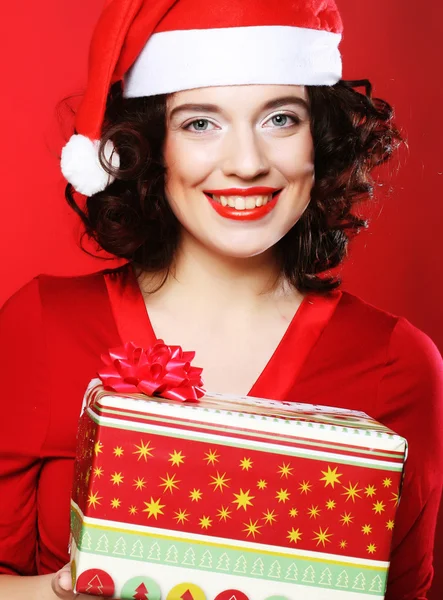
[{"x": 232, "y": 203}]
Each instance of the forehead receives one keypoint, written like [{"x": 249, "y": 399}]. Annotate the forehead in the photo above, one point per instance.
[{"x": 237, "y": 97}]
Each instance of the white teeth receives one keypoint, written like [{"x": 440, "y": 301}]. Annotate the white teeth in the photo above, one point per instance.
[{"x": 242, "y": 202}]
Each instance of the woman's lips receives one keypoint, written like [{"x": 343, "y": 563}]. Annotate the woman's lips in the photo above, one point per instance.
[{"x": 245, "y": 206}]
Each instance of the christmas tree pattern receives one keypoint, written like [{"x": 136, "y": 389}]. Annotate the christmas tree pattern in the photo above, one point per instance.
[
  {"x": 309, "y": 575},
  {"x": 172, "y": 555},
  {"x": 257, "y": 567},
  {"x": 292, "y": 572},
  {"x": 376, "y": 585},
  {"x": 141, "y": 592},
  {"x": 223, "y": 562},
  {"x": 342, "y": 580},
  {"x": 154, "y": 552},
  {"x": 137, "y": 550},
  {"x": 95, "y": 587},
  {"x": 102, "y": 544},
  {"x": 240, "y": 565},
  {"x": 275, "y": 570},
  {"x": 120, "y": 547},
  {"x": 189, "y": 558},
  {"x": 206, "y": 560},
  {"x": 325, "y": 577},
  {"x": 359, "y": 583},
  {"x": 85, "y": 543}
]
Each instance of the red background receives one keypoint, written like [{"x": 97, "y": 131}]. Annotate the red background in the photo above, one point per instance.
[{"x": 395, "y": 265}]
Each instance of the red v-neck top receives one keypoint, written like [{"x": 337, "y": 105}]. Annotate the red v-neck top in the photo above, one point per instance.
[
  {"x": 337, "y": 351},
  {"x": 133, "y": 323}
]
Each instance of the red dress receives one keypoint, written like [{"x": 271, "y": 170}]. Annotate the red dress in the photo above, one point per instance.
[{"x": 337, "y": 351}]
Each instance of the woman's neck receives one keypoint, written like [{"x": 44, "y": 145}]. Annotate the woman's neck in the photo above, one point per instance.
[{"x": 200, "y": 276}]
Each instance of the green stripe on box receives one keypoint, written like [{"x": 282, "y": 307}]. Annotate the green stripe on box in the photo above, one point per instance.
[
  {"x": 219, "y": 558},
  {"x": 239, "y": 443}
]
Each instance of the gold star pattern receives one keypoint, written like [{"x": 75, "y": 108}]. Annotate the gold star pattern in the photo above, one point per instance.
[
  {"x": 331, "y": 477},
  {"x": 98, "y": 448},
  {"x": 282, "y": 495},
  {"x": 294, "y": 535},
  {"x": 246, "y": 464},
  {"x": 370, "y": 491},
  {"x": 117, "y": 478},
  {"x": 133, "y": 510},
  {"x": 343, "y": 544},
  {"x": 224, "y": 514},
  {"x": 139, "y": 483},
  {"x": 211, "y": 457},
  {"x": 285, "y": 470},
  {"x": 243, "y": 499},
  {"x": 169, "y": 483},
  {"x": 154, "y": 508},
  {"x": 346, "y": 518},
  {"x": 351, "y": 492},
  {"x": 115, "y": 503},
  {"x": 330, "y": 504},
  {"x": 195, "y": 495},
  {"x": 98, "y": 471},
  {"x": 378, "y": 507},
  {"x": 176, "y": 458},
  {"x": 387, "y": 482},
  {"x": 269, "y": 517},
  {"x": 390, "y": 525},
  {"x": 205, "y": 522},
  {"x": 395, "y": 498},
  {"x": 94, "y": 499},
  {"x": 293, "y": 512},
  {"x": 305, "y": 487},
  {"x": 144, "y": 450},
  {"x": 371, "y": 548},
  {"x": 181, "y": 516},
  {"x": 366, "y": 529},
  {"x": 322, "y": 537},
  {"x": 313, "y": 512},
  {"x": 262, "y": 484},
  {"x": 252, "y": 528},
  {"x": 219, "y": 481},
  {"x": 118, "y": 451}
]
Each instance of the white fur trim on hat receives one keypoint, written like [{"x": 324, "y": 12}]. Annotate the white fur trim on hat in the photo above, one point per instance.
[
  {"x": 81, "y": 167},
  {"x": 185, "y": 59}
]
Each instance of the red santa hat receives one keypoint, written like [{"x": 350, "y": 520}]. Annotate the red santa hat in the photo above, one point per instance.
[{"x": 164, "y": 46}]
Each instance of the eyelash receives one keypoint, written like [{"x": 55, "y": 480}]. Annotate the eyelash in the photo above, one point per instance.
[{"x": 296, "y": 121}]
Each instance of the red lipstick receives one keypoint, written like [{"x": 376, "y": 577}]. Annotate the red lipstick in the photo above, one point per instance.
[{"x": 247, "y": 214}]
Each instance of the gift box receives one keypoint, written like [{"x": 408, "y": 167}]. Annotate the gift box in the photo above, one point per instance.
[{"x": 231, "y": 498}]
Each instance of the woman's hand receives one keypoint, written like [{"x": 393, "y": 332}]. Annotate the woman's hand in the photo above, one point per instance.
[{"x": 62, "y": 586}]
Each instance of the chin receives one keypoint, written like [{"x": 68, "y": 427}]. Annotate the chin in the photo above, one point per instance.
[{"x": 243, "y": 250}]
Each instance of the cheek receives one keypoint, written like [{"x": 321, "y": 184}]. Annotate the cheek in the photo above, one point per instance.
[
  {"x": 187, "y": 164},
  {"x": 295, "y": 157}
]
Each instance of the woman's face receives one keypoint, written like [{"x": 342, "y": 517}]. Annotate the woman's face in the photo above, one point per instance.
[{"x": 240, "y": 164}]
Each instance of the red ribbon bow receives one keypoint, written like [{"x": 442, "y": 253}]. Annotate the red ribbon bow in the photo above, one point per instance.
[{"x": 161, "y": 370}]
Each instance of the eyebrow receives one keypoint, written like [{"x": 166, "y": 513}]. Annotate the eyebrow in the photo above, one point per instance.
[{"x": 213, "y": 108}]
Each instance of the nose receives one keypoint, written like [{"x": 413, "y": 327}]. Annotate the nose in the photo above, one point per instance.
[{"x": 244, "y": 156}]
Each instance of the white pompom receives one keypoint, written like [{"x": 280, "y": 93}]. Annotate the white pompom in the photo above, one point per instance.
[{"x": 81, "y": 167}]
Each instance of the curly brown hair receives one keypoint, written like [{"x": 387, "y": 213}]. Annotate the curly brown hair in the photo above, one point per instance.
[{"x": 132, "y": 219}]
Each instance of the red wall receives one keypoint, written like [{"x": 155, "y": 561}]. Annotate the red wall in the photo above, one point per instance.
[{"x": 396, "y": 265}]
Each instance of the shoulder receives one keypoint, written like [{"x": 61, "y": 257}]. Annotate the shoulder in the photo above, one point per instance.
[
  {"x": 52, "y": 291},
  {"x": 403, "y": 339}
]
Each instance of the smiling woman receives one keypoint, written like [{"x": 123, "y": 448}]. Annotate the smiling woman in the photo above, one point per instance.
[
  {"x": 219, "y": 142},
  {"x": 222, "y": 155}
]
